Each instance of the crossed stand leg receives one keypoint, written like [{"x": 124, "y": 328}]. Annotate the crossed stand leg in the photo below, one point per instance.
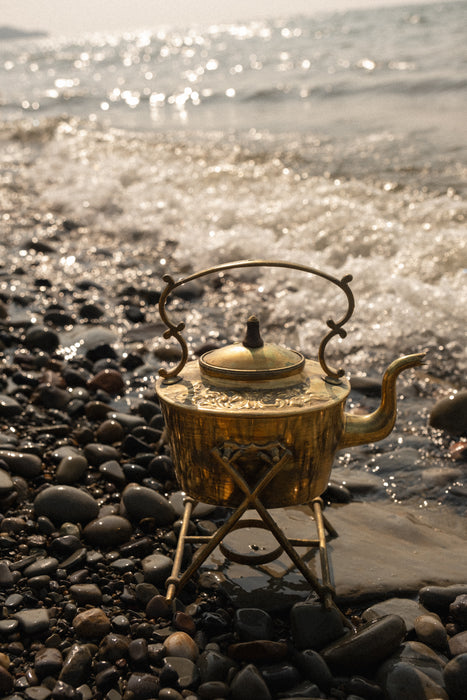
[{"x": 275, "y": 456}]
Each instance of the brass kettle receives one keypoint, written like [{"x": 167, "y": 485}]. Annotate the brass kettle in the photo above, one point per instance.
[{"x": 254, "y": 412}]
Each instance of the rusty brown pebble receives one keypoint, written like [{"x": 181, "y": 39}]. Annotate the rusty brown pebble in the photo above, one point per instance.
[
  {"x": 110, "y": 380},
  {"x": 91, "y": 624}
]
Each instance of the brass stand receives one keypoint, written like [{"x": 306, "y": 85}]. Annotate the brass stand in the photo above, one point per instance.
[{"x": 325, "y": 590}]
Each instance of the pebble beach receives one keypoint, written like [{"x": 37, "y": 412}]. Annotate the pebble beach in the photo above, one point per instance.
[
  {"x": 90, "y": 511},
  {"x": 334, "y": 140}
]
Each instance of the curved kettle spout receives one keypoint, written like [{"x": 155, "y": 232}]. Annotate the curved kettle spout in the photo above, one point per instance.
[{"x": 360, "y": 430}]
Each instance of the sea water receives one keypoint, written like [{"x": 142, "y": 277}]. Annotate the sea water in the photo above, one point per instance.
[{"x": 333, "y": 140}]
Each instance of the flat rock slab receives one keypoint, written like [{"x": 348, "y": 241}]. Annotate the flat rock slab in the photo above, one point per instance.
[{"x": 382, "y": 550}]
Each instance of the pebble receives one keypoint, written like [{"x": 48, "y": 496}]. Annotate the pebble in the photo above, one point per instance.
[
  {"x": 41, "y": 338},
  {"x": 213, "y": 690},
  {"x": 77, "y": 665},
  {"x": 450, "y": 414},
  {"x": 259, "y": 650},
  {"x": 98, "y": 453},
  {"x": 455, "y": 677},
  {"x": 86, "y": 594},
  {"x": 157, "y": 568},
  {"x": 406, "y": 608},
  {"x": 6, "y": 484},
  {"x": 66, "y": 503},
  {"x": 314, "y": 668},
  {"x": 253, "y": 623},
  {"x": 142, "y": 686},
  {"x": 214, "y": 666},
  {"x": 108, "y": 531},
  {"x": 22, "y": 464},
  {"x": 368, "y": 647},
  {"x": 113, "y": 472},
  {"x": 6, "y": 681},
  {"x": 313, "y": 626},
  {"x": 109, "y": 380},
  {"x": 280, "y": 677},
  {"x": 141, "y": 502},
  {"x": 9, "y": 407},
  {"x": 71, "y": 469},
  {"x": 439, "y": 598},
  {"x": 48, "y": 661},
  {"x": 187, "y": 672},
  {"x": 248, "y": 684},
  {"x": 417, "y": 655},
  {"x": 110, "y": 431},
  {"x": 431, "y": 631},
  {"x": 91, "y": 624},
  {"x": 405, "y": 682},
  {"x": 33, "y": 621},
  {"x": 458, "y": 610},
  {"x": 46, "y": 565},
  {"x": 458, "y": 644},
  {"x": 181, "y": 644}
]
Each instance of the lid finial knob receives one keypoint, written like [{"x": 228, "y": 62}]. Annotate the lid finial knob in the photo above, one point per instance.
[{"x": 252, "y": 337}]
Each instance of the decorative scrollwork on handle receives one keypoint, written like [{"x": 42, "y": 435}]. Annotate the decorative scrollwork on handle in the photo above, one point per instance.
[
  {"x": 174, "y": 329},
  {"x": 336, "y": 329}
]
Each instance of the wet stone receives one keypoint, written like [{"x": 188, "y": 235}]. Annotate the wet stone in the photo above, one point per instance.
[
  {"x": 248, "y": 684},
  {"x": 86, "y": 594},
  {"x": 91, "y": 624},
  {"x": 8, "y": 627},
  {"x": 48, "y": 662},
  {"x": 406, "y": 608},
  {"x": 313, "y": 626},
  {"x": 6, "y": 681},
  {"x": 108, "y": 531},
  {"x": 157, "y": 568},
  {"x": 113, "y": 472},
  {"x": 213, "y": 690},
  {"x": 458, "y": 610},
  {"x": 22, "y": 464},
  {"x": 41, "y": 338},
  {"x": 450, "y": 414},
  {"x": 98, "y": 453},
  {"x": 367, "y": 648},
  {"x": 71, "y": 469},
  {"x": 6, "y": 484},
  {"x": 77, "y": 665},
  {"x": 143, "y": 686},
  {"x": 185, "y": 669},
  {"x": 33, "y": 621},
  {"x": 181, "y": 644},
  {"x": 418, "y": 655},
  {"x": 431, "y": 631},
  {"x": 157, "y": 607},
  {"x": 141, "y": 502},
  {"x": 314, "y": 668},
  {"x": 47, "y": 565},
  {"x": 6, "y": 577},
  {"x": 109, "y": 380},
  {"x": 9, "y": 407},
  {"x": 458, "y": 644},
  {"x": 406, "y": 682},
  {"x": 280, "y": 677},
  {"x": 439, "y": 598},
  {"x": 253, "y": 623},
  {"x": 113, "y": 647},
  {"x": 455, "y": 677},
  {"x": 66, "y": 503},
  {"x": 214, "y": 666}
]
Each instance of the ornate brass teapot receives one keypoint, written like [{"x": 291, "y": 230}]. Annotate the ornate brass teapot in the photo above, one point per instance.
[{"x": 254, "y": 412}]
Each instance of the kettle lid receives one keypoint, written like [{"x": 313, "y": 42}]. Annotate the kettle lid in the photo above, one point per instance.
[{"x": 253, "y": 359}]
